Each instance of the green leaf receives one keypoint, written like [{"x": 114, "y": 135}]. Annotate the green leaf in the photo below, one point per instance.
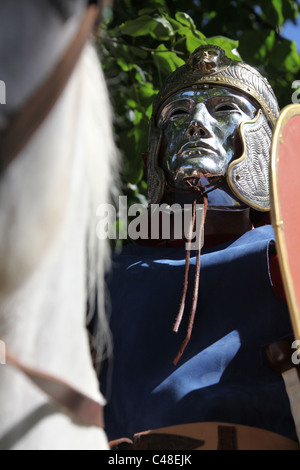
[
  {"x": 157, "y": 26},
  {"x": 133, "y": 172},
  {"x": 149, "y": 111},
  {"x": 131, "y": 103},
  {"x": 176, "y": 25},
  {"x": 270, "y": 41},
  {"x": 124, "y": 65},
  {"x": 258, "y": 45},
  {"x": 227, "y": 44},
  {"x": 163, "y": 29},
  {"x": 286, "y": 58},
  {"x": 277, "y": 5},
  {"x": 166, "y": 61},
  {"x": 141, "y": 26},
  {"x": 140, "y": 53},
  {"x": 147, "y": 11},
  {"x": 290, "y": 10},
  {"x": 185, "y": 19},
  {"x": 132, "y": 143},
  {"x": 147, "y": 90},
  {"x": 138, "y": 117},
  {"x": 192, "y": 43},
  {"x": 273, "y": 12}
]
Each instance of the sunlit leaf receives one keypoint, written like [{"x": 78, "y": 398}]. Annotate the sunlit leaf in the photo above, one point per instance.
[
  {"x": 139, "y": 27},
  {"x": 185, "y": 19},
  {"x": 192, "y": 43},
  {"x": 166, "y": 61},
  {"x": 227, "y": 44},
  {"x": 163, "y": 29},
  {"x": 286, "y": 57}
]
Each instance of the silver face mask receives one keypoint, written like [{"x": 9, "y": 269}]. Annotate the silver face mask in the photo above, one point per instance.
[
  {"x": 199, "y": 140},
  {"x": 212, "y": 126}
]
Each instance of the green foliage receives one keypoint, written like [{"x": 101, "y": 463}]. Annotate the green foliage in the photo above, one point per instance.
[{"x": 140, "y": 47}]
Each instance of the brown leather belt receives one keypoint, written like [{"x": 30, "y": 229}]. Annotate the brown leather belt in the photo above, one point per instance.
[{"x": 207, "y": 436}]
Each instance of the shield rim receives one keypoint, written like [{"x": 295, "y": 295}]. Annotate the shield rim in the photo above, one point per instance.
[{"x": 276, "y": 217}]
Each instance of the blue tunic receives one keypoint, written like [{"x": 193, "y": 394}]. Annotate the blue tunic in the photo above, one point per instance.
[{"x": 223, "y": 375}]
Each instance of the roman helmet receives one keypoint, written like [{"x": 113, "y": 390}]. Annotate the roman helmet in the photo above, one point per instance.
[{"x": 248, "y": 173}]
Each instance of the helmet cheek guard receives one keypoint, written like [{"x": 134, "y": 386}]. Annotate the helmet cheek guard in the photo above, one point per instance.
[{"x": 247, "y": 176}]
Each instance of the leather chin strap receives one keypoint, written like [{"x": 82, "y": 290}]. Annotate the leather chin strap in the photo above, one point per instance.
[
  {"x": 26, "y": 122},
  {"x": 186, "y": 276},
  {"x": 22, "y": 127}
]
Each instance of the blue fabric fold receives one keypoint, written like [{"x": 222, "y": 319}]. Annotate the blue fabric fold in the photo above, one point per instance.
[{"x": 223, "y": 374}]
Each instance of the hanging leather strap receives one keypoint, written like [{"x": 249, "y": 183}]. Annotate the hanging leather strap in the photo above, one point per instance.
[
  {"x": 78, "y": 406},
  {"x": 25, "y": 123}
]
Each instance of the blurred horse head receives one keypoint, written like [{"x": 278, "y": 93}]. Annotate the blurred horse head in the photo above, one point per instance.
[{"x": 58, "y": 162}]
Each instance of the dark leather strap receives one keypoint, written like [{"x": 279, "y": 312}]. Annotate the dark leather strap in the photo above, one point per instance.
[
  {"x": 25, "y": 123},
  {"x": 227, "y": 436},
  {"x": 80, "y": 407},
  {"x": 153, "y": 441}
]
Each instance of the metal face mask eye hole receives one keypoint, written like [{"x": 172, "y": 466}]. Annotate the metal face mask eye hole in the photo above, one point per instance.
[{"x": 177, "y": 113}]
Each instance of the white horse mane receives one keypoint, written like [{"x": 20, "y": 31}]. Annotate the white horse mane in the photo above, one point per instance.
[{"x": 48, "y": 249}]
